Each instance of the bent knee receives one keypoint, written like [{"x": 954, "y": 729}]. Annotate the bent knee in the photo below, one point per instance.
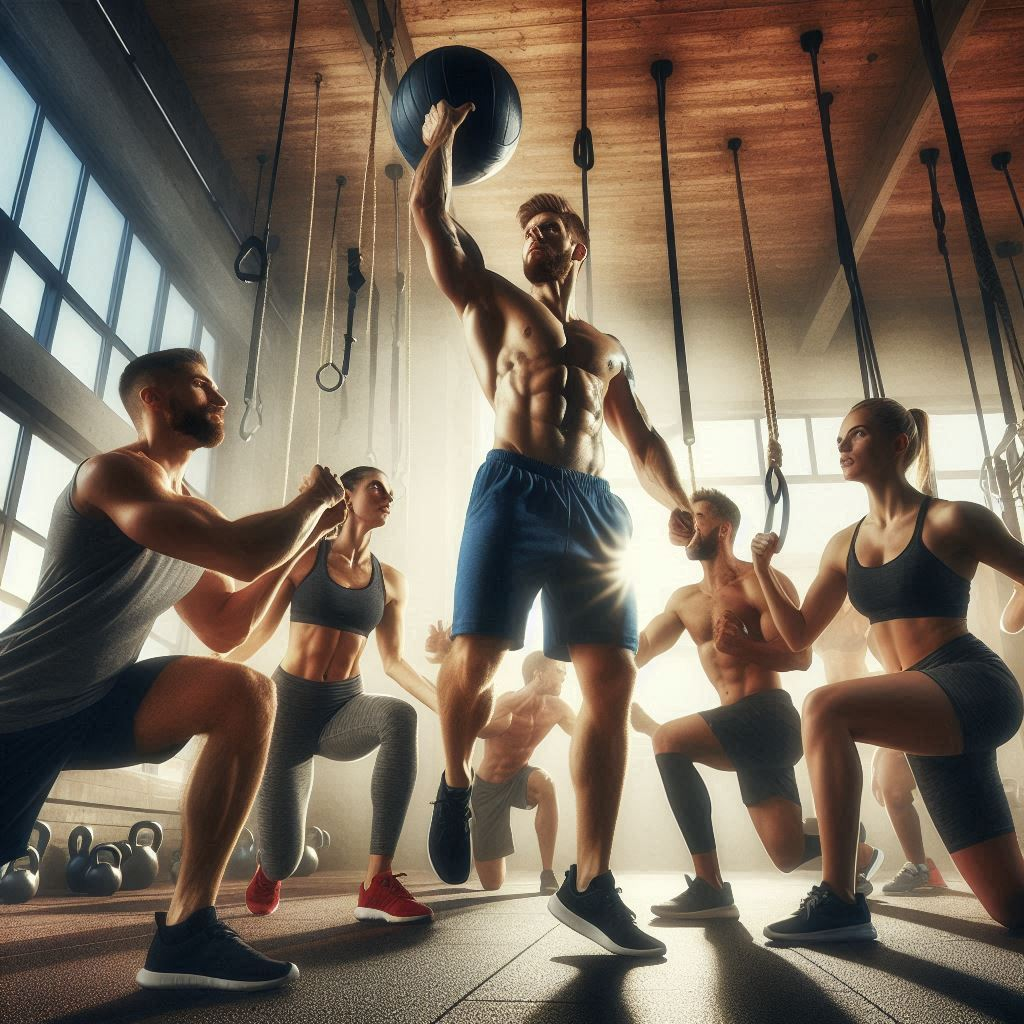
[
  {"x": 540, "y": 786},
  {"x": 401, "y": 717},
  {"x": 248, "y": 694},
  {"x": 820, "y": 706},
  {"x": 665, "y": 742}
]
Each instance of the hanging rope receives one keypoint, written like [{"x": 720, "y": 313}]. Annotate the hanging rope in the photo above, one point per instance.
[
  {"x": 583, "y": 157},
  {"x": 871, "y": 376},
  {"x": 1001, "y": 162},
  {"x": 1004, "y": 458},
  {"x": 930, "y": 159},
  {"x": 660, "y": 71},
  {"x": 776, "y": 490},
  {"x": 372, "y": 337},
  {"x": 253, "y": 402},
  {"x": 1009, "y": 251},
  {"x": 328, "y": 366},
  {"x": 317, "y": 82}
]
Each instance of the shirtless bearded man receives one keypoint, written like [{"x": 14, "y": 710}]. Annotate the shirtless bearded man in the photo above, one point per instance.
[
  {"x": 755, "y": 732},
  {"x": 540, "y": 518}
]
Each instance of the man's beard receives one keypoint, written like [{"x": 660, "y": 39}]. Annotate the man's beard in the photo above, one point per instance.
[
  {"x": 704, "y": 550},
  {"x": 547, "y": 269},
  {"x": 197, "y": 425}
]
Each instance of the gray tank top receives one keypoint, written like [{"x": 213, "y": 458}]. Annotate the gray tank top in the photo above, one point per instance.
[{"x": 97, "y": 599}]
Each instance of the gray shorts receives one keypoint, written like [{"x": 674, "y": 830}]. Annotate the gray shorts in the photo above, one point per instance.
[{"x": 492, "y": 804}]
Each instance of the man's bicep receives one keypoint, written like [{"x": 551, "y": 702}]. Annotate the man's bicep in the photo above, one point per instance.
[
  {"x": 624, "y": 413},
  {"x": 454, "y": 271}
]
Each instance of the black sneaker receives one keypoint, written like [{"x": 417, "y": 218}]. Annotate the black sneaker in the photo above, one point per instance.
[
  {"x": 864, "y": 884},
  {"x": 548, "y": 882},
  {"x": 448, "y": 846},
  {"x": 600, "y": 915},
  {"x": 824, "y": 917},
  {"x": 203, "y": 952},
  {"x": 700, "y": 901}
]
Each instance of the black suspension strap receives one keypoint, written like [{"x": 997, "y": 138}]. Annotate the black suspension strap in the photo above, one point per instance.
[
  {"x": 394, "y": 173},
  {"x": 930, "y": 159},
  {"x": 583, "y": 157},
  {"x": 252, "y": 249},
  {"x": 329, "y": 376},
  {"x": 776, "y": 490},
  {"x": 1009, "y": 251},
  {"x": 1001, "y": 162},
  {"x": 253, "y": 402},
  {"x": 871, "y": 375},
  {"x": 993, "y": 297},
  {"x": 317, "y": 82},
  {"x": 660, "y": 71}
]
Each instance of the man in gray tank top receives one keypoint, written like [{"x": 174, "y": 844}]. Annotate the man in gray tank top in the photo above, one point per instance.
[{"x": 127, "y": 541}]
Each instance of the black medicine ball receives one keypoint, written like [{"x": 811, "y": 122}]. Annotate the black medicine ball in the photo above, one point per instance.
[{"x": 487, "y": 138}]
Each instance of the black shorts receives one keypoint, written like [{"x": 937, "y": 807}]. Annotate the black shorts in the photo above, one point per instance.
[
  {"x": 99, "y": 736},
  {"x": 760, "y": 734}
]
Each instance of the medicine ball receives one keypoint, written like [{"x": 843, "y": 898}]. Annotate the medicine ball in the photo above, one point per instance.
[{"x": 487, "y": 138}]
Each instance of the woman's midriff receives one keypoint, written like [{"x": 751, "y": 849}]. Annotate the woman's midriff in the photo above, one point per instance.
[
  {"x": 904, "y": 642},
  {"x": 318, "y": 652}
]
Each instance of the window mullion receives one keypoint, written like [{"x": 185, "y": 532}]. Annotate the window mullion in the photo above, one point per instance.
[{"x": 21, "y": 191}]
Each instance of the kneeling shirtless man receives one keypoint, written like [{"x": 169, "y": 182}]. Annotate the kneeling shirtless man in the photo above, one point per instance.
[
  {"x": 755, "y": 732},
  {"x": 541, "y": 518}
]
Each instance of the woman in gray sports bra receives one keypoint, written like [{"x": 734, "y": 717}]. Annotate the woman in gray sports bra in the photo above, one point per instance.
[
  {"x": 946, "y": 698},
  {"x": 338, "y": 594}
]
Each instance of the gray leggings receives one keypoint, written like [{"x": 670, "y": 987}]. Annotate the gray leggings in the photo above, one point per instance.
[{"x": 339, "y": 721}]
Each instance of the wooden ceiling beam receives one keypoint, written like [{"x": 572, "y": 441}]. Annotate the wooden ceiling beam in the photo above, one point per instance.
[{"x": 898, "y": 143}]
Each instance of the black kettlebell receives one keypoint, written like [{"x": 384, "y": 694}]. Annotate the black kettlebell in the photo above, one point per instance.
[
  {"x": 103, "y": 878},
  {"x": 242, "y": 862},
  {"x": 141, "y": 868},
  {"x": 20, "y": 884},
  {"x": 78, "y": 857},
  {"x": 327, "y": 837},
  {"x": 175, "y": 867},
  {"x": 310, "y": 859}
]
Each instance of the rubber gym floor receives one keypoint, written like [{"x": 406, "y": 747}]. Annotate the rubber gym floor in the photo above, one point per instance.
[{"x": 500, "y": 958}]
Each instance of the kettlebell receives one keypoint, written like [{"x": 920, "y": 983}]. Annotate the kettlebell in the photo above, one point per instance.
[
  {"x": 103, "y": 878},
  {"x": 327, "y": 837},
  {"x": 78, "y": 857},
  {"x": 44, "y": 833},
  {"x": 141, "y": 868},
  {"x": 20, "y": 884},
  {"x": 175, "y": 867},
  {"x": 242, "y": 863},
  {"x": 310, "y": 859}
]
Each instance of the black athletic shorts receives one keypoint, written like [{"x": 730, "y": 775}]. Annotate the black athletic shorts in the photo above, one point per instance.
[
  {"x": 760, "y": 734},
  {"x": 99, "y": 736}
]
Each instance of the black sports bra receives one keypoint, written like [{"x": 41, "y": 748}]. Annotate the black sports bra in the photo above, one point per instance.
[
  {"x": 319, "y": 601},
  {"x": 913, "y": 585}
]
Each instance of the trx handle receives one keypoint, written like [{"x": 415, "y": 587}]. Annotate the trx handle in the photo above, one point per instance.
[
  {"x": 660, "y": 71},
  {"x": 776, "y": 491},
  {"x": 583, "y": 150},
  {"x": 253, "y": 246}
]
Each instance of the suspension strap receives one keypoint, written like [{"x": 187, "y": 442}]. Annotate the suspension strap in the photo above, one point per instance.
[
  {"x": 1001, "y": 162},
  {"x": 372, "y": 336},
  {"x": 930, "y": 159},
  {"x": 992, "y": 295},
  {"x": 253, "y": 402},
  {"x": 317, "y": 82},
  {"x": 1009, "y": 251},
  {"x": 583, "y": 157},
  {"x": 329, "y": 376},
  {"x": 252, "y": 250},
  {"x": 776, "y": 490},
  {"x": 394, "y": 173},
  {"x": 660, "y": 71}
]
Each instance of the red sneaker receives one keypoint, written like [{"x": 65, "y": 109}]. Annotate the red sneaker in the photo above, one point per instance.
[
  {"x": 388, "y": 900},
  {"x": 262, "y": 894},
  {"x": 935, "y": 879}
]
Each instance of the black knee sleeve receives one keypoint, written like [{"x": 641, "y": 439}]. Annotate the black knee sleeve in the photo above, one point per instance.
[{"x": 689, "y": 799}]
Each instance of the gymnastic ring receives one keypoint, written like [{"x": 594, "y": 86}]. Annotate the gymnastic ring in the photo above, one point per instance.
[
  {"x": 331, "y": 365},
  {"x": 776, "y": 490}
]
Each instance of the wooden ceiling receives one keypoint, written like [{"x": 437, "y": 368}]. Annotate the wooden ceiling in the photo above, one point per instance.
[{"x": 739, "y": 70}]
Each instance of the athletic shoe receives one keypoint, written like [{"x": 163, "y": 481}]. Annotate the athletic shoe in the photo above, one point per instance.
[
  {"x": 448, "y": 845},
  {"x": 600, "y": 915},
  {"x": 910, "y": 878},
  {"x": 388, "y": 900},
  {"x": 700, "y": 901},
  {"x": 203, "y": 952},
  {"x": 864, "y": 886},
  {"x": 811, "y": 829},
  {"x": 824, "y": 917},
  {"x": 935, "y": 879},
  {"x": 263, "y": 894},
  {"x": 548, "y": 882}
]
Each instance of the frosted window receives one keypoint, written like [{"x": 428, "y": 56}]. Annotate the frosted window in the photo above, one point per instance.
[
  {"x": 19, "y": 110},
  {"x": 208, "y": 346},
  {"x": 8, "y": 614},
  {"x": 9, "y": 431},
  {"x": 21, "y": 573},
  {"x": 47, "y": 473},
  {"x": 96, "y": 247},
  {"x": 178, "y": 321},
  {"x": 796, "y": 456},
  {"x": 51, "y": 194},
  {"x": 110, "y": 393},
  {"x": 22, "y": 295},
  {"x": 138, "y": 298},
  {"x": 723, "y": 448},
  {"x": 76, "y": 345}
]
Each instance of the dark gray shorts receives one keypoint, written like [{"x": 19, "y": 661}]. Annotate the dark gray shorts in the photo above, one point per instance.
[
  {"x": 760, "y": 734},
  {"x": 492, "y": 804}
]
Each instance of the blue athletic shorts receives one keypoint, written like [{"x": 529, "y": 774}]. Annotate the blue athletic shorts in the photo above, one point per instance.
[{"x": 533, "y": 527}]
